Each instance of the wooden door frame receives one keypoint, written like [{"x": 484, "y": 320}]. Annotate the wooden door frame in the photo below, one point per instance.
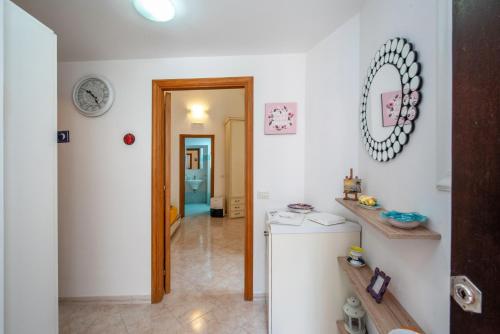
[
  {"x": 182, "y": 166},
  {"x": 161, "y": 183}
]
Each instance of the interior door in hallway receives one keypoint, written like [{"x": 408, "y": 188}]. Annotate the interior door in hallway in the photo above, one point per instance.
[
  {"x": 476, "y": 160},
  {"x": 167, "y": 196},
  {"x": 182, "y": 168}
]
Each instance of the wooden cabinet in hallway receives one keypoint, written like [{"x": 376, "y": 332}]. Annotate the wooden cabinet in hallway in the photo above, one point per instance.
[{"x": 235, "y": 166}]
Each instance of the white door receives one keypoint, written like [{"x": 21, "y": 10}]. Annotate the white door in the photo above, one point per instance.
[{"x": 30, "y": 123}]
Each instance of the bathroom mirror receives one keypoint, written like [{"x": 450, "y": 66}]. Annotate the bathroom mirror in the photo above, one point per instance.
[
  {"x": 390, "y": 96},
  {"x": 193, "y": 158}
]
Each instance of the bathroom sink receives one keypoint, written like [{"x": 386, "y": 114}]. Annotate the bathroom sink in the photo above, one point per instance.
[{"x": 194, "y": 184}]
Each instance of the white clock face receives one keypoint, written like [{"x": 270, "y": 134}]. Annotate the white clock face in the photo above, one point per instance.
[{"x": 93, "y": 96}]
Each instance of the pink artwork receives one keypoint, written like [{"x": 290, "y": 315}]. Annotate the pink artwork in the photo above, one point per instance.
[
  {"x": 391, "y": 106},
  {"x": 280, "y": 118}
]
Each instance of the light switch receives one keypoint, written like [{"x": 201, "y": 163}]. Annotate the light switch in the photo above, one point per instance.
[
  {"x": 63, "y": 136},
  {"x": 262, "y": 195}
]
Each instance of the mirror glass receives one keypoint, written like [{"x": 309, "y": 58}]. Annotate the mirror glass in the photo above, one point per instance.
[
  {"x": 384, "y": 102},
  {"x": 193, "y": 158},
  {"x": 390, "y": 96}
]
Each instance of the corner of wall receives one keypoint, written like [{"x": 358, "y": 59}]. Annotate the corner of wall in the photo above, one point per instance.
[
  {"x": 332, "y": 82},
  {"x": 2, "y": 223}
]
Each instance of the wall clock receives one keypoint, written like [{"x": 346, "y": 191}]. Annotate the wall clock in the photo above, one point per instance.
[{"x": 93, "y": 95}]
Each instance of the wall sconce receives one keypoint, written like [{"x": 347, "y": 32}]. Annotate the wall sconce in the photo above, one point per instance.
[{"x": 198, "y": 114}]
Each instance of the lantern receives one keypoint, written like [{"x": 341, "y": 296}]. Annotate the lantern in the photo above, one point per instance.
[{"x": 354, "y": 316}]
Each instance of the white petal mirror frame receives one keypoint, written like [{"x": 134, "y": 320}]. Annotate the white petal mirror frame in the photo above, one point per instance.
[{"x": 397, "y": 52}]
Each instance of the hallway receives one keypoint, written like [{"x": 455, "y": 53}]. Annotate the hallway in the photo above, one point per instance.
[
  {"x": 207, "y": 290},
  {"x": 196, "y": 209}
]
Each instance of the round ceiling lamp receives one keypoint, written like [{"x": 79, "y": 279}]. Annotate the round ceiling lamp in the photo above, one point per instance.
[{"x": 155, "y": 10}]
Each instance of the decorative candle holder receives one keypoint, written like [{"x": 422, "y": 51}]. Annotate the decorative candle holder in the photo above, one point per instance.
[
  {"x": 354, "y": 316},
  {"x": 355, "y": 257}
]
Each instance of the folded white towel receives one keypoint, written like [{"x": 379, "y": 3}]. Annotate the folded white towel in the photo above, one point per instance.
[
  {"x": 286, "y": 218},
  {"x": 325, "y": 218},
  {"x": 286, "y": 214}
]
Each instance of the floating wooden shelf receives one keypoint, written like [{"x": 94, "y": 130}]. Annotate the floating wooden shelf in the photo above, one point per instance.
[
  {"x": 373, "y": 219},
  {"x": 341, "y": 328},
  {"x": 387, "y": 315}
]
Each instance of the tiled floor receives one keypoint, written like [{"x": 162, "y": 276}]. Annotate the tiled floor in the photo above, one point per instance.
[
  {"x": 196, "y": 209},
  {"x": 207, "y": 285}
]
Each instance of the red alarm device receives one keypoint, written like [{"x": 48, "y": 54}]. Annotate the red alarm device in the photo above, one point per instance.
[{"x": 129, "y": 139}]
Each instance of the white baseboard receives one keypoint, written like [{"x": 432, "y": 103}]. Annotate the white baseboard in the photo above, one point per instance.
[
  {"x": 262, "y": 296},
  {"x": 137, "y": 299},
  {"x": 175, "y": 226}
]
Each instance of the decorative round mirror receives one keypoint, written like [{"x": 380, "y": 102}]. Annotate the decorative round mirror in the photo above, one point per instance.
[{"x": 390, "y": 96}]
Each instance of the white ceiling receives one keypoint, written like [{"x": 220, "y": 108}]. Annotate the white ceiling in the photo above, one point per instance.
[{"x": 112, "y": 29}]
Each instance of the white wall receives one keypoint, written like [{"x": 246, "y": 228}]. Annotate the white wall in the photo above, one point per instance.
[
  {"x": 221, "y": 103},
  {"x": 419, "y": 269},
  {"x": 332, "y": 102},
  {"x": 2, "y": 224},
  {"x": 31, "y": 304},
  {"x": 104, "y": 186},
  {"x": 444, "y": 91}
]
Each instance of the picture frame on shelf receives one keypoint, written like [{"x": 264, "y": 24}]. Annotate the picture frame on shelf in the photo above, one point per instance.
[{"x": 378, "y": 285}]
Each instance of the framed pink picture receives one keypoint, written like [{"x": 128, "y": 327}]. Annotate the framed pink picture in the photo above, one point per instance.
[
  {"x": 391, "y": 106},
  {"x": 280, "y": 118}
]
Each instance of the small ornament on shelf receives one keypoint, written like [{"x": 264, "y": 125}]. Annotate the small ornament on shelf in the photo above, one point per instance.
[
  {"x": 352, "y": 186},
  {"x": 368, "y": 202},
  {"x": 355, "y": 258},
  {"x": 354, "y": 316}
]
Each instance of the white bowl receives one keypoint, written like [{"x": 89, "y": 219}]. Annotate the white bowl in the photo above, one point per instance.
[
  {"x": 404, "y": 226},
  {"x": 403, "y": 331}
]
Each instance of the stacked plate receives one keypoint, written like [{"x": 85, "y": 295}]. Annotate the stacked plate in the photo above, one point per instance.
[{"x": 300, "y": 207}]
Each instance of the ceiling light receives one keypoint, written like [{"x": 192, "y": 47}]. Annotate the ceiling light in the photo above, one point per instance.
[{"x": 155, "y": 10}]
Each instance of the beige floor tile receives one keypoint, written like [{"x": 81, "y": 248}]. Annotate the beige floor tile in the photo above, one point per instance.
[
  {"x": 76, "y": 318},
  {"x": 207, "y": 290},
  {"x": 108, "y": 321},
  {"x": 209, "y": 324}
]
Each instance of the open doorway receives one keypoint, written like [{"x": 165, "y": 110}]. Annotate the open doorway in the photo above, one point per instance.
[
  {"x": 162, "y": 181},
  {"x": 196, "y": 174}
]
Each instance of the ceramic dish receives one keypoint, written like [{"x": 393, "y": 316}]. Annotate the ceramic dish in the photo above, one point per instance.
[
  {"x": 403, "y": 220},
  {"x": 404, "y": 226},
  {"x": 356, "y": 252},
  {"x": 300, "y": 207},
  {"x": 368, "y": 207},
  {"x": 403, "y": 331},
  {"x": 358, "y": 263}
]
